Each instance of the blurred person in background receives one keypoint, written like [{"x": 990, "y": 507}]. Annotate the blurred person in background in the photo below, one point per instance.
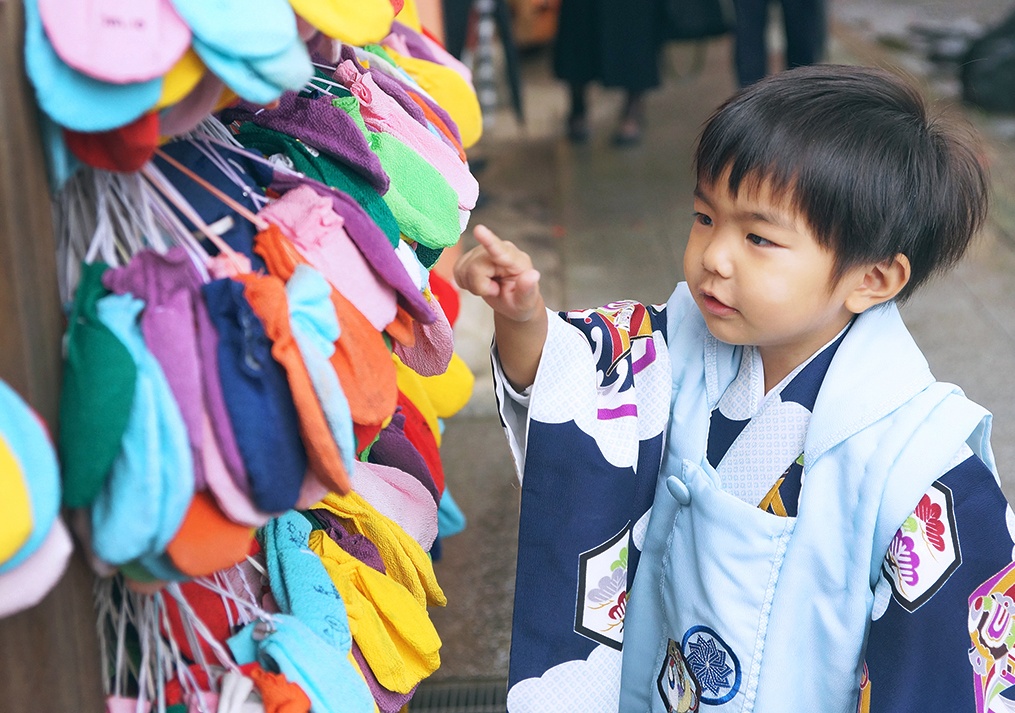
[
  {"x": 805, "y": 27},
  {"x": 614, "y": 42}
]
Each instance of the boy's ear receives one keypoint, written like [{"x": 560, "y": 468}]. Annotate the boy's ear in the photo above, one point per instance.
[{"x": 879, "y": 283}]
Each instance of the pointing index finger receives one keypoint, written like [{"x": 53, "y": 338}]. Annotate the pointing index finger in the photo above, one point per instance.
[{"x": 495, "y": 247}]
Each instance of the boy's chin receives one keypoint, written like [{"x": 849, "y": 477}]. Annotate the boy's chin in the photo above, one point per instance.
[{"x": 721, "y": 331}]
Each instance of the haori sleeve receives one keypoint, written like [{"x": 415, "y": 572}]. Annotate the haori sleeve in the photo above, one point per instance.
[
  {"x": 943, "y": 626},
  {"x": 594, "y": 365}
]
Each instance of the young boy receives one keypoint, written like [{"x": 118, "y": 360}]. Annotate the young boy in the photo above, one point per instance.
[{"x": 819, "y": 522}]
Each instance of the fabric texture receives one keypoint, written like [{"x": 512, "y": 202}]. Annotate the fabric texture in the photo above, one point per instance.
[
  {"x": 420, "y": 198},
  {"x": 391, "y": 628},
  {"x": 151, "y": 483},
  {"x": 371, "y": 243},
  {"x": 99, "y": 376},
  {"x": 361, "y": 358},
  {"x": 267, "y": 297},
  {"x": 258, "y": 400},
  {"x": 317, "y": 124},
  {"x": 311, "y": 223},
  {"x": 404, "y": 559}
]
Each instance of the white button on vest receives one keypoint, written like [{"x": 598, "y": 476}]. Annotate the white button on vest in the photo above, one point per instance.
[{"x": 678, "y": 490}]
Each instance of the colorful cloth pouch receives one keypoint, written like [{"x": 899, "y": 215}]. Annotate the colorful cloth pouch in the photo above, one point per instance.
[
  {"x": 33, "y": 452},
  {"x": 115, "y": 41},
  {"x": 399, "y": 497},
  {"x": 394, "y": 449},
  {"x": 241, "y": 28},
  {"x": 267, "y": 297},
  {"x": 292, "y": 648},
  {"x": 258, "y": 399},
  {"x": 411, "y": 385},
  {"x": 419, "y": 433},
  {"x": 419, "y": 197},
  {"x": 315, "y": 328},
  {"x": 371, "y": 243},
  {"x": 361, "y": 357},
  {"x": 238, "y": 74},
  {"x": 450, "y": 518},
  {"x": 389, "y": 85},
  {"x": 319, "y": 125},
  {"x": 382, "y": 113},
  {"x": 99, "y": 377},
  {"x": 411, "y": 40},
  {"x": 387, "y": 701},
  {"x": 150, "y": 486},
  {"x": 124, "y": 149},
  {"x": 311, "y": 223},
  {"x": 170, "y": 332},
  {"x": 324, "y": 170},
  {"x": 450, "y": 391},
  {"x": 357, "y": 22},
  {"x": 404, "y": 559},
  {"x": 26, "y": 584},
  {"x": 393, "y": 630},
  {"x": 15, "y": 504},
  {"x": 184, "y": 116},
  {"x": 181, "y": 79},
  {"x": 433, "y": 345},
  {"x": 300, "y": 584},
  {"x": 73, "y": 99},
  {"x": 207, "y": 541},
  {"x": 448, "y": 89},
  {"x": 357, "y": 545}
]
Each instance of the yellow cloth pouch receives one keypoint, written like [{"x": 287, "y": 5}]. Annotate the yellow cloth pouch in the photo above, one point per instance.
[
  {"x": 450, "y": 90},
  {"x": 411, "y": 384},
  {"x": 404, "y": 559},
  {"x": 357, "y": 22},
  {"x": 392, "y": 629},
  {"x": 181, "y": 79},
  {"x": 450, "y": 391},
  {"x": 15, "y": 508}
]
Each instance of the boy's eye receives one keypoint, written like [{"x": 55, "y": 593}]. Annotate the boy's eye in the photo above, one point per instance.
[
  {"x": 758, "y": 240},
  {"x": 702, "y": 218}
]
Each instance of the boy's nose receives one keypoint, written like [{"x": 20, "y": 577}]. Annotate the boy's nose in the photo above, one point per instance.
[{"x": 717, "y": 257}]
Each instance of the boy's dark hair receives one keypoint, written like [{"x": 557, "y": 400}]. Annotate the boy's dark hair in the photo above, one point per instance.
[{"x": 854, "y": 150}]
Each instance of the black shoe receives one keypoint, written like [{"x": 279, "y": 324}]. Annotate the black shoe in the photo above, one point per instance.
[
  {"x": 629, "y": 133},
  {"x": 578, "y": 128}
]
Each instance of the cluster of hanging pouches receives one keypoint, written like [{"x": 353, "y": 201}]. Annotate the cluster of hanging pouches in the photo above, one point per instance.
[{"x": 258, "y": 357}]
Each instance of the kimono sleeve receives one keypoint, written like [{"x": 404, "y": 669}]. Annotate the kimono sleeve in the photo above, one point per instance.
[
  {"x": 588, "y": 445},
  {"x": 943, "y": 628}
]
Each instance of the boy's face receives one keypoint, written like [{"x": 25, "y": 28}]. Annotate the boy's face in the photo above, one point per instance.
[{"x": 759, "y": 276}]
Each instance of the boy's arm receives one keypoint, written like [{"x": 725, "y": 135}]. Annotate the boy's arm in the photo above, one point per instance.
[{"x": 503, "y": 275}]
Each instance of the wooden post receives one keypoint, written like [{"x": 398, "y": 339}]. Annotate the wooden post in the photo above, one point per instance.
[{"x": 49, "y": 655}]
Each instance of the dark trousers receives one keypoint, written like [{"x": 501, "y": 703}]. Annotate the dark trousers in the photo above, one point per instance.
[{"x": 805, "y": 36}]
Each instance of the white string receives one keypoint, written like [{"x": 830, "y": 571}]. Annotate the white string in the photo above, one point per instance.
[
  {"x": 214, "y": 129},
  {"x": 183, "y": 673},
  {"x": 121, "y": 633},
  {"x": 220, "y": 653},
  {"x": 103, "y": 595},
  {"x": 177, "y": 231},
  {"x": 254, "y": 156},
  {"x": 259, "y": 199},
  {"x": 250, "y": 606}
]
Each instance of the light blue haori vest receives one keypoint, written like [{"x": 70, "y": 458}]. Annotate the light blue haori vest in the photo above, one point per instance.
[{"x": 768, "y": 613}]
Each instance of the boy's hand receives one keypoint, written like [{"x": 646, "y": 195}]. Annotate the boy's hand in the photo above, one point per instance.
[{"x": 502, "y": 275}]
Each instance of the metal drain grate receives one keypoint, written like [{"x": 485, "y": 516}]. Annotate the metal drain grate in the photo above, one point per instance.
[{"x": 482, "y": 696}]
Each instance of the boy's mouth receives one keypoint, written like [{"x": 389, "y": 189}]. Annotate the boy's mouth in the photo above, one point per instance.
[{"x": 716, "y": 307}]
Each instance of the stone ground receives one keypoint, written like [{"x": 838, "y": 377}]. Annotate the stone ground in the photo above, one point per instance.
[{"x": 593, "y": 211}]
